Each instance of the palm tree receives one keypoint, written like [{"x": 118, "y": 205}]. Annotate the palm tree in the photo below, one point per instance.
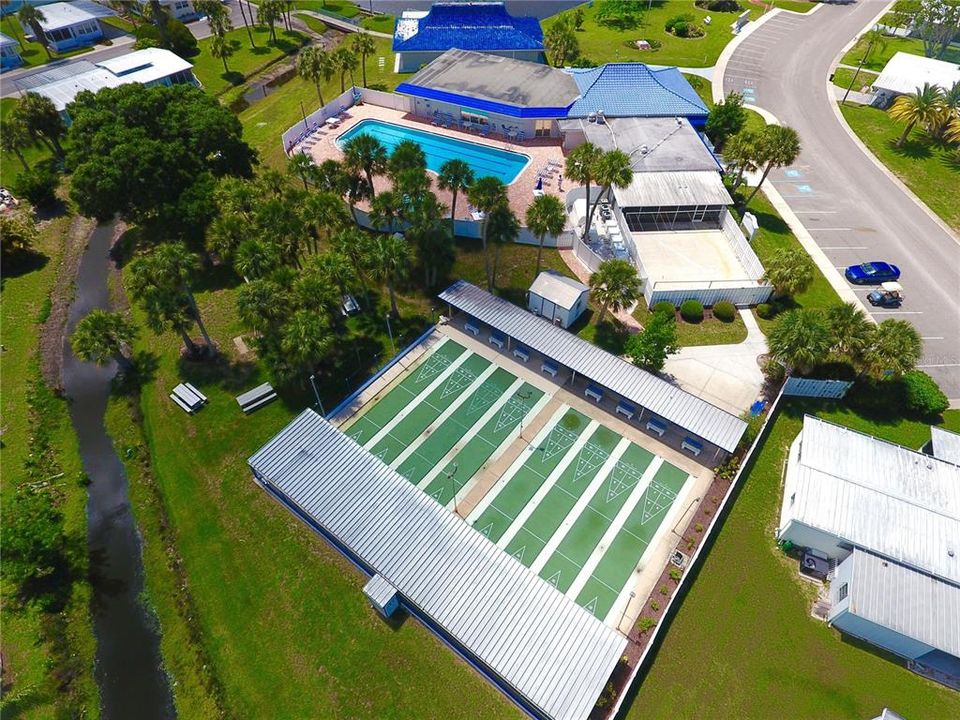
[
  {"x": 407, "y": 155},
  {"x": 503, "y": 228},
  {"x": 301, "y": 166},
  {"x": 102, "y": 336},
  {"x": 580, "y": 168},
  {"x": 613, "y": 170},
  {"x": 337, "y": 270},
  {"x": 225, "y": 234},
  {"x": 356, "y": 188},
  {"x": 412, "y": 185},
  {"x": 270, "y": 12},
  {"x": 247, "y": 23},
  {"x": 800, "y": 339},
  {"x": 385, "y": 210},
  {"x": 263, "y": 305},
  {"x": 875, "y": 39},
  {"x": 390, "y": 259},
  {"x": 925, "y": 107},
  {"x": 896, "y": 349},
  {"x": 615, "y": 285},
  {"x": 455, "y": 175},
  {"x": 314, "y": 65},
  {"x": 356, "y": 245},
  {"x": 16, "y": 138},
  {"x": 256, "y": 258},
  {"x": 431, "y": 236},
  {"x": 487, "y": 193},
  {"x": 324, "y": 213},
  {"x": 789, "y": 271},
  {"x": 42, "y": 120},
  {"x": 364, "y": 152},
  {"x": 363, "y": 45},
  {"x": 740, "y": 151},
  {"x": 221, "y": 48},
  {"x": 306, "y": 339},
  {"x": 778, "y": 145},
  {"x": 546, "y": 216},
  {"x": 32, "y": 16},
  {"x": 852, "y": 332},
  {"x": 344, "y": 61}
]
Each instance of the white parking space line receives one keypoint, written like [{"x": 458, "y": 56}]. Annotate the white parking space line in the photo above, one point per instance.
[
  {"x": 940, "y": 365},
  {"x": 896, "y": 312},
  {"x": 815, "y": 212},
  {"x": 843, "y": 247},
  {"x": 823, "y": 229},
  {"x": 931, "y": 337}
]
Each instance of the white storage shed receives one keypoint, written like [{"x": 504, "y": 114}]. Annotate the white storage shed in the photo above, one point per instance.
[{"x": 557, "y": 298}]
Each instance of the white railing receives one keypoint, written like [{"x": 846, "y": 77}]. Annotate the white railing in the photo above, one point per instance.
[
  {"x": 386, "y": 99},
  {"x": 585, "y": 254},
  {"x": 741, "y": 247},
  {"x": 315, "y": 120}
]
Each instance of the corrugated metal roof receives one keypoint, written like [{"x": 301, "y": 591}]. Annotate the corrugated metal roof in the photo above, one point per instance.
[
  {"x": 635, "y": 90},
  {"x": 904, "y": 73},
  {"x": 659, "y": 189},
  {"x": 558, "y": 289},
  {"x": 64, "y": 14},
  {"x": 946, "y": 445},
  {"x": 540, "y": 643},
  {"x": 913, "y": 603},
  {"x": 480, "y": 26},
  {"x": 696, "y": 416},
  {"x": 379, "y": 590},
  {"x": 878, "y": 496}
]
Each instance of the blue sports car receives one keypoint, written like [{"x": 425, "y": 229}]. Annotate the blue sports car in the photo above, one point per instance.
[{"x": 872, "y": 273}]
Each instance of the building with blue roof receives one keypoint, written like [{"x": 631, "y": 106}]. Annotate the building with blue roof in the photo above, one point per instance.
[{"x": 420, "y": 37}]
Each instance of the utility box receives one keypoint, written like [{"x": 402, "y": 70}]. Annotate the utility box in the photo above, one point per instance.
[{"x": 382, "y": 595}]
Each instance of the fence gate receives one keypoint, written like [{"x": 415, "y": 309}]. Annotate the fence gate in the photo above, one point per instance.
[{"x": 805, "y": 387}]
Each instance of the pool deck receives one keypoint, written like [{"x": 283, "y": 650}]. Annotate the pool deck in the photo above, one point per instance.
[{"x": 519, "y": 192}]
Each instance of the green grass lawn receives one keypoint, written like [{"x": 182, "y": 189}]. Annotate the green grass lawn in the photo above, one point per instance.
[
  {"x": 842, "y": 77},
  {"x": 343, "y": 8},
  {"x": 379, "y": 23},
  {"x": 929, "y": 169},
  {"x": 880, "y": 55},
  {"x": 709, "y": 331},
  {"x": 119, "y": 23},
  {"x": 246, "y": 61},
  {"x": 743, "y": 643},
  {"x": 10, "y": 167},
  {"x": 318, "y": 26}
]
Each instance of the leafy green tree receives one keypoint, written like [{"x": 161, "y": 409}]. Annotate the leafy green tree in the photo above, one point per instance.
[
  {"x": 314, "y": 65},
  {"x": 777, "y": 146},
  {"x": 938, "y": 22},
  {"x": 922, "y": 394},
  {"x": 895, "y": 350},
  {"x": 455, "y": 175},
  {"x": 39, "y": 116},
  {"x": 485, "y": 194},
  {"x": 726, "y": 119},
  {"x": 31, "y": 16},
  {"x": 300, "y": 165},
  {"x": 800, "y": 339},
  {"x": 925, "y": 107},
  {"x": 306, "y": 340},
  {"x": 32, "y": 538},
  {"x": 345, "y": 62},
  {"x": 615, "y": 286},
  {"x": 366, "y": 154},
  {"x": 390, "y": 258},
  {"x": 385, "y": 210},
  {"x": 502, "y": 229},
  {"x": 578, "y": 18},
  {"x": 18, "y": 234},
  {"x": 257, "y": 258},
  {"x": 649, "y": 349},
  {"x": 16, "y": 138},
  {"x": 561, "y": 43},
  {"x": 581, "y": 165},
  {"x": 268, "y": 13},
  {"x": 545, "y": 216},
  {"x": 363, "y": 45},
  {"x": 789, "y": 271},
  {"x": 851, "y": 332},
  {"x": 622, "y": 14},
  {"x": 102, "y": 336}
]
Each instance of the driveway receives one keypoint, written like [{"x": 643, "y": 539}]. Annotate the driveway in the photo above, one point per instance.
[{"x": 853, "y": 210}]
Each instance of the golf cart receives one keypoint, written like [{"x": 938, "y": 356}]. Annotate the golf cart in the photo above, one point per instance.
[{"x": 890, "y": 294}]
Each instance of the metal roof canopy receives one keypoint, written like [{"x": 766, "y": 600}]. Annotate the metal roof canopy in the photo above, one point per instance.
[
  {"x": 544, "y": 648},
  {"x": 878, "y": 496},
  {"x": 689, "y": 412},
  {"x": 673, "y": 189}
]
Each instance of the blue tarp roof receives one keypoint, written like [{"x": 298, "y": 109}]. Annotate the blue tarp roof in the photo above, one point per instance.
[
  {"x": 480, "y": 104},
  {"x": 468, "y": 26},
  {"x": 652, "y": 93}
]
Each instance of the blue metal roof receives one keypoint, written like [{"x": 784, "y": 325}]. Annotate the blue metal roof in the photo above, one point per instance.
[
  {"x": 468, "y": 26},
  {"x": 652, "y": 93},
  {"x": 478, "y": 104}
]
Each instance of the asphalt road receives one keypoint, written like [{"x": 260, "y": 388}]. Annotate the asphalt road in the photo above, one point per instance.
[{"x": 851, "y": 208}]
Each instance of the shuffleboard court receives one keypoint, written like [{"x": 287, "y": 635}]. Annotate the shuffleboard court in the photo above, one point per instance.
[
  {"x": 618, "y": 562},
  {"x": 381, "y": 412},
  {"x": 543, "y": 522},
  {"x": 544, "y": 458},
  {"x": 428, "y": 409},
  {"x": 567, "y": 560}
]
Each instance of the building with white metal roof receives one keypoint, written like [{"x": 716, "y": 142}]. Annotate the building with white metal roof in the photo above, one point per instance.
[
  {"x": 74, "y": 24},
  {"x": 905, "y": 72},
  {"x": 549, "y": 655},
  {"x": 945, "y": 445},
  {"x": 557, "y": 298},
  {"x": 695, "y": 416}
]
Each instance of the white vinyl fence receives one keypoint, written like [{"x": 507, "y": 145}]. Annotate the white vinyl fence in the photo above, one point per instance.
[
  {"x": 806, "y": 387},
  {"x": 314, "y": 121}
]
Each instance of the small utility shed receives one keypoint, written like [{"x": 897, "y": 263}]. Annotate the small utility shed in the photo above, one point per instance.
[
  {"x": 557, "y": 298},
  {"x": 904, "y": 73}
]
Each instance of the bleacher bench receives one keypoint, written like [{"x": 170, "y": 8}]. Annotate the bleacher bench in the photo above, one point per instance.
[
  {"x": 593, "y": 392},
  {"x": 471, "y": 328},
  {"x": 186, "y": 408},
  {"x": 497, "y": 340},
  {"x": 656, "y": 425},
  {"x": 522, "y": 353},
  {"x": 691, "y": 446},
  {"x": 256, "y": 398},
  {"x": 550, "y": 369},
  {"x": 626, "y": 409}
]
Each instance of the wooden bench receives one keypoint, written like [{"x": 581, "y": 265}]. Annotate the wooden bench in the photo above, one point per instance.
[
  {"x": 256, "y": 398},
  {"x": 657, "y": 425},
  {"x": 471, "y": 328},
  {"x": 549, "y": 368},
  {"x": 626, "y": 409},
  {"x": 186, "y": 408},
  {"x": 188, "y": 397},
  {"x": 594, "y": 392},
  {"x": 497, "y": 340},
  {"x": 521, "y": 352},
  {"x": 691, "y": 445}
]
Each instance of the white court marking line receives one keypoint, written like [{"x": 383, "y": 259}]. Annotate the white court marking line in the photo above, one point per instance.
[
  {"x": 547, "y": 485},
  {"x": 669, "y": 520},
  {"x": 600, "y": 550},
  {"x": 471, "y": 388},
  {"x": 417, "y": 399},
  {"x": 498, "y": 451},
  {"x": 471, "y": 433},
  {"x": 580, "y": 505},
  {"x": 515, "y": 466}
]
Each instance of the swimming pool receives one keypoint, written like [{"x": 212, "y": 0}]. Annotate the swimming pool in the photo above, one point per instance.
[{"x": 483, "y": 159}]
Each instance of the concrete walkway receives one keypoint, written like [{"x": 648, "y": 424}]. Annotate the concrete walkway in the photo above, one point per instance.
[
  {"x": 342, "y": 25},
  {"x": 728, "y": 376}
]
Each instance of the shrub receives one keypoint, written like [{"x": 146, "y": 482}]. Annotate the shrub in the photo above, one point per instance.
[
  {"x": 39, "y": 186},
  {"x": 691, "y": 311},
  {"x": 773, "y": 370},
  {"x": 645, "y": 625},
  {"x": 675, "y": 574},
  {"x": 654, "y": 605},
  {"x": 922, "y": 394},
  {"x": 607, "y": 697},
  {"x": 698, "y": 527},
  {"x": 724, "y": 311},
  {"x": 684, "y": 26},
  {"x": 666, "y": 307},
  {"x": 766, "y": 311},
  {"x": 719, "y": 5},
  {"x": 649, "y": 349},
  {"x": 664, "y": 590}
]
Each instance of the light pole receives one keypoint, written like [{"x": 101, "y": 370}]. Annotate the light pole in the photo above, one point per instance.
[
  {"x": 453, "y": 486},
  {"x": 393, "y": 347},
  {"x": 863, "y": 59},
  {"x": 625, "y": 608},
  {"x": 316, "y": 394},
  {"x": 304, "y": 113}
]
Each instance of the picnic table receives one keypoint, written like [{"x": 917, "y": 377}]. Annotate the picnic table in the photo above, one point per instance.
[
  {"x": 188, "y": 398},
  {"x": 256, "y": 398}
]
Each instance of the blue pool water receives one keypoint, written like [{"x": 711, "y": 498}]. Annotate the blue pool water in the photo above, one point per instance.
[{"x": 484, "y": 160}]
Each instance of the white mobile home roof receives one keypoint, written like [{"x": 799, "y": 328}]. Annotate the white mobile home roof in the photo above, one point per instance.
[
  {"x": 539, "y": 642},
  {"x": 904, "y": 73},
  {"x": 628, "y": 381},
  {"x": 878, "y": 496},
  {"x": 560, "y": 290},
  {"x": 64, "y": 14},
  {"x": 913, "y": 603},
  {"x": 946, "y": 445}
]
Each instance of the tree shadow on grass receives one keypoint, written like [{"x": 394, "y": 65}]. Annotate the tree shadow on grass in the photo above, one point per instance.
[
  {"x": 915, "y": 149},
  {"x": 218, "y": 277},
  {"x": 233, "y": 77},
  {"x": 21, "y": 263}
]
